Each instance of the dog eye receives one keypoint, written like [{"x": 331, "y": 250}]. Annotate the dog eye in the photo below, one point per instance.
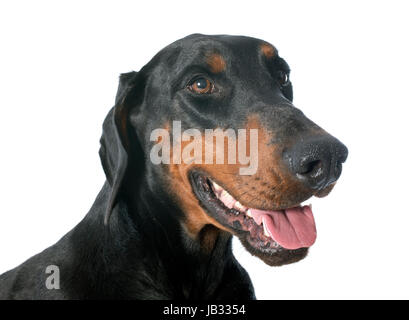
[
  {"x": 283, "y": 78},
  {"x": 201, "y": 86}
]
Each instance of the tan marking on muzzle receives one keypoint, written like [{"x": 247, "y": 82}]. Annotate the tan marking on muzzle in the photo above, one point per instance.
[{"x": 270, "y": 187}]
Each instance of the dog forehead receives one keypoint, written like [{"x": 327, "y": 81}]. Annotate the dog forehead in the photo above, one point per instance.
[
  {"x": 216, "y": 50},
  {"x": 228, "y": 41}
]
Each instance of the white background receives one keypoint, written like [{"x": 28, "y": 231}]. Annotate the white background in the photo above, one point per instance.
[{"x": 59, "y": 65}]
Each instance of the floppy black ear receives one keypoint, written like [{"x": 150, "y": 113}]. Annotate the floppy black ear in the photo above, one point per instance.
[{"x": 115, "y": 146}]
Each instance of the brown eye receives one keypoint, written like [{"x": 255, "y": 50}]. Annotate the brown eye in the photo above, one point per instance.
[
  {"x": 201, "y": 85},
  {"x": 283, "y": 78}
]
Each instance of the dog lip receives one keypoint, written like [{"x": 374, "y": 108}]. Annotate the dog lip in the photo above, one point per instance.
[
  {"x": 217, "y": 187},
  {"x": 290, "y": 228},
  {"x": 239, "y": 222}
]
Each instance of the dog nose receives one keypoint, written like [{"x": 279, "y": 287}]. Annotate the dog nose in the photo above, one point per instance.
[{"x": 316, "y": 161}]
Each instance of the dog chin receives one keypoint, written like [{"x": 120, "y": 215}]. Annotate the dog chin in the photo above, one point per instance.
[{"x": 274, "y": 257}]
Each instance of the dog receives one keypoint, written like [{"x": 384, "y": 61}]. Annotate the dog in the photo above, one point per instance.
[{"x": 164, "y": 231}]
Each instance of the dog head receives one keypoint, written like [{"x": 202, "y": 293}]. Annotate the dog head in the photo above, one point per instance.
[{"x": 210, "y": 121}]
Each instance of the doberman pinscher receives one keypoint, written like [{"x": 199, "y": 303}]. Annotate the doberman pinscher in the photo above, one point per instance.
[{"x": 164, "y": 231}]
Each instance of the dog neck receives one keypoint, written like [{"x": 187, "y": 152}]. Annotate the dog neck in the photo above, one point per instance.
[{"x": 146, "y": 252}]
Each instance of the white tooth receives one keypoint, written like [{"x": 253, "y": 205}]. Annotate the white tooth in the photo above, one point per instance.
[
  {"x": 229, "y": 203},
  {"x": 310, "y": 205},
  {"x": 227, "y": 197},
  {"x": 216, "y": 186},
  {"x": 265, "y": 231},
  {"x": 248, "y": 213},
  {"x": 239, "y": 206}
]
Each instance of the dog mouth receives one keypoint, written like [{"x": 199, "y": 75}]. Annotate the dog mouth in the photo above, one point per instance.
[{"x": 265, "y": 232}]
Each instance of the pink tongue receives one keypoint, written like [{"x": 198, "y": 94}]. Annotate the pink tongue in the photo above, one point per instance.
[{"x": 291, "y": 228}]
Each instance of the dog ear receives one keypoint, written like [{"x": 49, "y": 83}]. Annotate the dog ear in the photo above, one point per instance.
[{"x": 115, "y": 143}]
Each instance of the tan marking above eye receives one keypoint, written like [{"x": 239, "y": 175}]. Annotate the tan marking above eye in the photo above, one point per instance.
[
  {"x": 268, "y": 50},
  {"x": 216, "y": 63}
]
